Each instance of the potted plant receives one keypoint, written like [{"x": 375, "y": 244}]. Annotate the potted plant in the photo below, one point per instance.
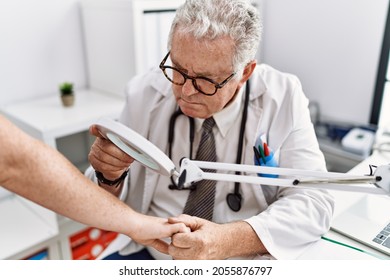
[{"x": 67, "y": 94}]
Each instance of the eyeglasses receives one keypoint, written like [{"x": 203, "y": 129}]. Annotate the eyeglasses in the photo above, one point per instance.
[{"x": 204, "y": 85}]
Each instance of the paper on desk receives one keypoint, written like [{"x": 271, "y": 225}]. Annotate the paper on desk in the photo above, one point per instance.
[
  {"x": 326, "y": 250},
  {"x": 4, "y": 193}
]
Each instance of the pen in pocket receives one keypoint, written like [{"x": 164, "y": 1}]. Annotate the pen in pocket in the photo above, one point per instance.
[{"x": 257, "y": 155}]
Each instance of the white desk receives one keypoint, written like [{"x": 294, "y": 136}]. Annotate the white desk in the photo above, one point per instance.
[
  {"x": 27, "y": 227},
  {"x": 327, "y": 250}
]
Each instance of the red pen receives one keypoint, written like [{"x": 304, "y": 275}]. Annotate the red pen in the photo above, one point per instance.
[{"x": 266, "y": 150}]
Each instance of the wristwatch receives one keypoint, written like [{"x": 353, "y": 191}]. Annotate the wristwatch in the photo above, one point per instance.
[{"x": 116, "y": 182}]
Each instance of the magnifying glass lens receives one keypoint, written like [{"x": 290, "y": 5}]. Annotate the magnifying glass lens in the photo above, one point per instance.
[{"x": 132, "y": 151}]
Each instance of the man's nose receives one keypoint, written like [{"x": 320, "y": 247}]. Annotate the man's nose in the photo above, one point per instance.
[{"x": 188, "y": 88}]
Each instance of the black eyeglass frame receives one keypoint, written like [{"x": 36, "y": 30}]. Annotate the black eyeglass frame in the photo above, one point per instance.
[{"x": 193, "y": 79}]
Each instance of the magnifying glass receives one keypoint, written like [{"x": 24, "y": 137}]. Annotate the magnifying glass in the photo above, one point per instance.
[
  {"x": 136, "y": 146},
  {"x": 146, "y": 153}
]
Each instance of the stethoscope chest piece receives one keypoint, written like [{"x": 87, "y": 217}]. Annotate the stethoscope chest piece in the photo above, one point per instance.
[{"x": 234, "y": 201}]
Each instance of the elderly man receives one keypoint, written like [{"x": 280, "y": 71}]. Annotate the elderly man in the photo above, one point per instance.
[{"x": 211, "y": 76}]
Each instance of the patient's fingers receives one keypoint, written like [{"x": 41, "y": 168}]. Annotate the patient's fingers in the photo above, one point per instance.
[{"x": 160, "y": 246}]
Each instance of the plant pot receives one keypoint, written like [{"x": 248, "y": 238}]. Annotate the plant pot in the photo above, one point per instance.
[{"x": 67, "y": 100}]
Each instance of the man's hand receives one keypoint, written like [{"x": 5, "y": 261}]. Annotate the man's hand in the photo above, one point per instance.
[
  {"x": 202, "y": 243},
  {"x": 107, "y": 158},
  {"x": 208, "y": 240}
]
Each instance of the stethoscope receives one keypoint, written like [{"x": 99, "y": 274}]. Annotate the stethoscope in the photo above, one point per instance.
[{"x": 234, "y": 200}]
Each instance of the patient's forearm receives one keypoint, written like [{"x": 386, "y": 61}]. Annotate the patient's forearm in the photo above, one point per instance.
[{"x": 41, "y": 174}]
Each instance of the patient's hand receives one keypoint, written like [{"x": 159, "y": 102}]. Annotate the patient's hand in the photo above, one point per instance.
[{"x": 149, "y": 231}]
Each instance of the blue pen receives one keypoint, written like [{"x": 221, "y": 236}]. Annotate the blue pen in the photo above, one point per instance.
[{"x": 257, "y": 155}]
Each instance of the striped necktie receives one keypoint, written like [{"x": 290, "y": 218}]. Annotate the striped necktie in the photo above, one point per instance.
[{"x": 200, "y": 201}]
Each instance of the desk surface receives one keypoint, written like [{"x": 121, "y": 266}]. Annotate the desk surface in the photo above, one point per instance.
[{"x": 346, "y": 199}]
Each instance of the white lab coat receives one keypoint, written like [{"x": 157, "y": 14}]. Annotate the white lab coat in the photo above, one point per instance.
[{"x": 289, "y": 219}]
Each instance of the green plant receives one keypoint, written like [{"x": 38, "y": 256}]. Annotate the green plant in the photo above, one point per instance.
[{"x": 66, "y": 88}]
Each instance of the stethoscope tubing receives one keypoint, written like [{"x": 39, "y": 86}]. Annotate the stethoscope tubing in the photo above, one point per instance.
[{"x": 234, "y": 200}]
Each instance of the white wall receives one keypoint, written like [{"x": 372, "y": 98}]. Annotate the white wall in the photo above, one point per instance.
[
  {"x": 41, "y": 46},
  {"x": 122, "y": 40},
  {"x": 333, "y": 46}
]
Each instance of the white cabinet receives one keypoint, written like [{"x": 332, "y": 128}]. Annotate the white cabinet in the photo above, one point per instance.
[
  {"x": 46, "y": 119},
  {"x": 26, "y": 227}
]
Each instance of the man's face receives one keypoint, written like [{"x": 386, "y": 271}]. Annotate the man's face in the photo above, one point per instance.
[{"x": 199, "y": 59}]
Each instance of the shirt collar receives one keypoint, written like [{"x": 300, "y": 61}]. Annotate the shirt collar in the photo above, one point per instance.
[{"x": 225, "y": 118}]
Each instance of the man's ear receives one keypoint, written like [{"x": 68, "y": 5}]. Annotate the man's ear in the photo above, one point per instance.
[{"x": 248, "y": 70}]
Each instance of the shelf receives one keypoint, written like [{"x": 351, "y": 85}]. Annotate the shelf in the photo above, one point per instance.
[{"x": 47, "y": 119}]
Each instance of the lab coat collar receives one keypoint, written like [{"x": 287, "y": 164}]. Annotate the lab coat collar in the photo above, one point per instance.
[
  {"x": 160, "y": 83},
  {"x": 258, "y": 80}
]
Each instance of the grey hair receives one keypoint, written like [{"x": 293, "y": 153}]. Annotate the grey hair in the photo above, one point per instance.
[{"x": 210, "y": 19}]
